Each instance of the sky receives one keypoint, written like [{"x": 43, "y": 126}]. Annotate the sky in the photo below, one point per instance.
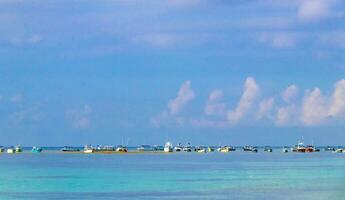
[{"x": 260, "y": 72}]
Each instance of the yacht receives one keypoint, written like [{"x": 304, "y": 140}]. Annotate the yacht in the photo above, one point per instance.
[
  {"x": 188, "y": 148},
  {"x": 168, "y": 147},
  {"x": 36, "y": 150}
]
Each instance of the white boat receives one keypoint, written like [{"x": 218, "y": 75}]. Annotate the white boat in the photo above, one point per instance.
[
  {"x": 88, "y": 149},
  {"x": 202, "y": 150},
  {"x": 11, "y": 150},
  {"x": 168, "y": 147}
]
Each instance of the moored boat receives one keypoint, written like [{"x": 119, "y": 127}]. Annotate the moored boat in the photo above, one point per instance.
[
  {"x": 168, "y": 147},
  {"x": 121, "y": 148},
  {"x": 2, "y": 149},
  {"x": 69, "y": 149},
  {"x": 36, "y": 150},
  {"x": 18, "y": 149},
  {"x": 225, "y": 149},
  {"x": 250, "y": 149},
  {"x": 11, "y": 150},
  {"x": 88, "y": 149},
  {"x": 268, "y": 149},
  {"x": 285, "y": 149}
]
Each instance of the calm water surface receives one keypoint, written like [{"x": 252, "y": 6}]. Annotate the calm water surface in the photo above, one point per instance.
[{"x": 235, "y": 175}]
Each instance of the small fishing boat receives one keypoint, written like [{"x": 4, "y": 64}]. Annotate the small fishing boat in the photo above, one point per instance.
[
  {"x": 88, "y": 149},
  {"x": 178, "y": 148},
  {"x": 158, "y": 148},
  {"x": 36, "y": 150},
  {"x": 168, "y": 147},
  {"x": 250, "y": 149},
  {"x": 330, "y": 148},
  {"x": 225, "y": 149},
  {"x": 339, "y": 150},
  {"x": 145, "y": 147},
  {"x": 210, "y": 149},
  {"x": 121, "y": 148},
  {"x": 188, "y": 148},
  {"x": 18, "y": 149},
  {"x": 2, "y": 149},
  {"x": 69, "y": 149},
  {"x": 285, "y": 149},
  {"x": 11, "y": 150},
  {"x": 201, "y": 149},
  {"x": 268, "y": 149}
]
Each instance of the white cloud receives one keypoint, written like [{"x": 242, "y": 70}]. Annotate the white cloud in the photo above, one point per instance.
[
  {"x": 265, "y": 108},
  {"x": 313, "y": 10},
  {"x": 286, "y": 115},
  {"x": 170, "y": 116},
  {"x": 314, "y": 108},
  {"x": 279, "y": 39},
  {"x": 290, "y": 93},
  {"x": 337, "y": 107},
  {"x": 184, "y": 95},
  {"x": 214, "y": 105},
  {"x": 250, "y": 93}
]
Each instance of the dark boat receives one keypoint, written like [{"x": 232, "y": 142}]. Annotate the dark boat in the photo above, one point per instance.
[{"x": 69, "y": 149}]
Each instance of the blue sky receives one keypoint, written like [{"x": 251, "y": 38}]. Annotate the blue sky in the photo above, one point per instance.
[{"x": 210, "y": 72}]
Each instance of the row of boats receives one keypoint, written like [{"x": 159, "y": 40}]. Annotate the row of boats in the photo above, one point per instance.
[
  {"x": 18, "y": 149},
  {"x": 168, "y": 147}
]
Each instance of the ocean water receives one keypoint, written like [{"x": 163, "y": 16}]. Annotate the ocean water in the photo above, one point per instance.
[{"x": 234, "y": 175}]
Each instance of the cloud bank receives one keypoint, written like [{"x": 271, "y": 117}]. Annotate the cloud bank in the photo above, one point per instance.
[{"x": 314, "y": 108}]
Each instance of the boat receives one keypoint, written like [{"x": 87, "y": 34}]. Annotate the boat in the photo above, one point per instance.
[
  {"x": 339, "y": 150},
  {"x": 178, "y": 148},
  {"x": 2, "y": 149},
  {"x": 11, "y": 150},
  {"x": 188, "y": 148},
  {"x": 201, "y": 149},
  {"x": 210, "y": 149},
  {"x": 121, "y": 148},
  {"x": 88, "y": 149},
  {"x": 168, "y": 147},
  {"x": 145, "y": 148},
  {"x": 301, "y": 148},
  {"x": 250, "y": 148},
  {"x": 330, "y": 148},
  {"x": 225, "y": 149},
  {"x": 69, "y": 149},
  {"x": 268, "y": 149},
  {"x": 285, "y": 149},
  {"x": 18, "y": 149},
  {"x": 158, "y": 148},
  {"x": 36, "y": 150}
]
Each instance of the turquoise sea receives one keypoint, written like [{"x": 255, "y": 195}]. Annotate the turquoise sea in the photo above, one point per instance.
[{"x": 234, "y": 175}]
